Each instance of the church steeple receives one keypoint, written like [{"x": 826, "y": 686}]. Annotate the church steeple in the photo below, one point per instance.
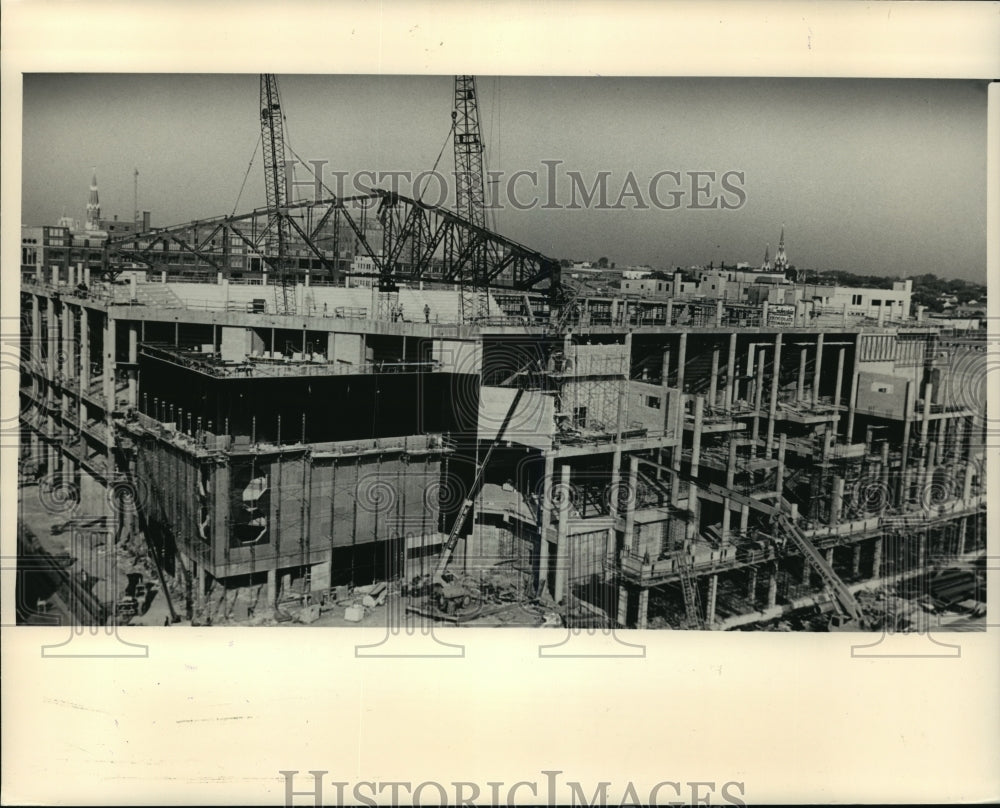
[
  {"x": 93, "y": 206},
  {"x": 766, "y": 266},
  {"x": 780, "y": 259}
]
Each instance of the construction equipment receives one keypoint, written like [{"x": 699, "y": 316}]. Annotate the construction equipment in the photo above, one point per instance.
[
  {"x": 692, "y": 603},
  {"x": 272, "y": 132},
  {"x": 469, "y": 189},
  {"x": 477, "y": 483},
  {"x": 448, "y": 594},
  {"x": 849, "y": 610}
]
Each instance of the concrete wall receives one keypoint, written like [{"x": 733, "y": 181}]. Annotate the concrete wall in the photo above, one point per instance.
[
  {"x": 458, "y": 356},
  {"x": 532, "y": 424},
  {"x": 235, "y": 343},
  {"x": 642, "y": 397},
  {"x": 881, "y": 394},
  {"x": 312, "y": 504}
]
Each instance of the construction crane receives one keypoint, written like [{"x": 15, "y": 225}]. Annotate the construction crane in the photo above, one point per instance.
[
  {"x": 469, "y": 188},
  {"x": 272, "y": 131},
  {"x": 477, "y": 483}
]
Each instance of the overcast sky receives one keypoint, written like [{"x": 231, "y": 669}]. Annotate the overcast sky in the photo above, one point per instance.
[{"x": 871, "y": 176}]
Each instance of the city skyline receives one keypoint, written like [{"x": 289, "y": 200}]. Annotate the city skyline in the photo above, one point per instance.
[{"x": 882, "y": 177}]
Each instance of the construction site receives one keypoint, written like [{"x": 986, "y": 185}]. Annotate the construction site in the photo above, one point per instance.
[{"x": 229, "y": 421}]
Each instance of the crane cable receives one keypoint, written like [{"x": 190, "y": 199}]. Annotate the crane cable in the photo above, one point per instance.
[
  {"x": 447, "y": 140},
  {"x": 253, "y": 157}
]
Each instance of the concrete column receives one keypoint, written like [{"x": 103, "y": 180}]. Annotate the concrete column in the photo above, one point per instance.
[
  {"x": 699, "y": 418},
  {"x": 924, "y": 421},
  {"x": 670, "y": 312},
  {"x": 713, "y": 593},
  {"x": 970, "y": 472},
  {"x": 730, "y": 480},
  {"x": 84, "y": 327},
  {"x": 272, "y": 588},
  {"x": 856, "y": 560},
  {"x": 817, "y": 370},
  {"x": 730, "y": 399},
  {"x": 837, "y": 500},
  {"x": 36, "y": 331},
  {"x": 839, "y": 382},
  {"x": 749, "y": 392},
  {"x": 665, "y": 395},
  {"x": 752, "y": 585},
  {"x": 779, "y": 480},
  {"x": 905, "y": 448},
  {"x": 877, "y": 560},
  {"x": 52, "y": 342},
  {"x": 850, "y": 405},
  {"x": 109, "y": 363},
  {"x": 801, "y": 392},
  {"x": 562, "y": 548},
  {"x": 829, "y": 556},
  {"x": 962, "y": 534},
  {"x": 922, "y": 549},
  {"x": 806, "y": 571},
  {"x": 744, "y": 518},
  {"x": 133, "y": 358},
  {"x": 200, "y": 597},
  {"x": 772, "y": 587},
  {"x": 622, "y": 605},
  {"x": 633, "y": 475},
  {"x": 545, "y": 521},
  {"x": 773, "y": 404},
  {"x": 643, "y": 621},
  {"x": 763, "y": 314},
  {"x": 718, "y": 312},
  {"x": 681, "y": 360},
  {"x": 713, "y": 380},
  {"x": 68, "y": 351}
]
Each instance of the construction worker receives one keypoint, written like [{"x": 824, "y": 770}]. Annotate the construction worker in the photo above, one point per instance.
[{"x": 427, "y": 312}]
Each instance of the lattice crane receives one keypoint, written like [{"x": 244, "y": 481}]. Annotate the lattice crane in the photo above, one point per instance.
[
  {"x": 272, "y": 131},
  {"x": 470, "y": 192}
]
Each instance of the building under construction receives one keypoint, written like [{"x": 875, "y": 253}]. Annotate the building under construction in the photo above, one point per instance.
[{"x": 225, "y": 396}]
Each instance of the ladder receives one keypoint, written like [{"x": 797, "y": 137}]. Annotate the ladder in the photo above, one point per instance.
[{"x": 692, "y": 602}]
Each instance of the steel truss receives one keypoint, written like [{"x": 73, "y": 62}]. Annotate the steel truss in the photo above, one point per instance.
[{"x": 407, "y": 240}]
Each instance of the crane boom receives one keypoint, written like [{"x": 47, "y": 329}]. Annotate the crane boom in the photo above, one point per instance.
[
  {"x": 477, "y": 483},
  {"x": 470, "y": 192},
  {"x": 272, "y": 131},
  {"x": 469, "y": 189}
]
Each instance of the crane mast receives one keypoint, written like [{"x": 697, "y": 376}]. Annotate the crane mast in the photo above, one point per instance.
[
  {"x": 272, "y": 132},
  {"x": 469, "y": 190}
]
